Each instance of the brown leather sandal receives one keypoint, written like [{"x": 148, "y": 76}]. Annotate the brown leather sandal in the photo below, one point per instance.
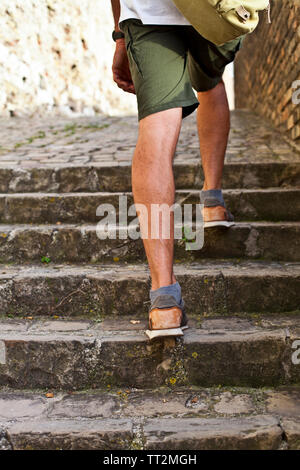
[
  {"x": 217, "y": 216},
  {"x": 166, "y": 318}
]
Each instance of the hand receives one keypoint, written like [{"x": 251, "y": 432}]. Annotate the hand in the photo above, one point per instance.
[{"x": 120, "y": 68}]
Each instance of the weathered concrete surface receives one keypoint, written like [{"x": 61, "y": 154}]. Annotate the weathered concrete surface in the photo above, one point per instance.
[
  {"x": 108, "y": 175},
  {"x": 131, "y": 403},
  {"x": 235, "y": 418},
  {"x": 230, "y": 404},
  {"x": 35, "y": 208},
  {"x": 14, "y": 406},
  {"x": 284, "y": 402},
  {"x": 172, "y": 434},
  {"x": 80, "y": 243},
  {"x": 104, "y": 434},
  {"x": 182, "y": 402},
  {"x": 261, "y": 433},
  {"x": 4, "y": 443},
  {"x": 209, "y": 288},
  {"x": 291, "y": 429},
  {"x": 55, "y": 354}
]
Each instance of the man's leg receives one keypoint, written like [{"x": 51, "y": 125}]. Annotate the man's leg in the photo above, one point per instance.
[
  {"x": 158, "y": 67},
  {"x": 213, "y": 120},
  {"x": 206, "y": 66},
  {"x": 153, "y": 183}
]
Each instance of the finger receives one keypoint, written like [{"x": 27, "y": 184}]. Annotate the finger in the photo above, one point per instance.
[
  {"x": 125, "y": 85},
  {"x": 122, "y": 77},
  {"x": 122, "y": 84},
  {"x": 131, "y": 89},
  {"x": 127, "y": 88}
]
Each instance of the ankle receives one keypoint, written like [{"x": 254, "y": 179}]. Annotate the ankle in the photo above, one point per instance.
[
  {"x": 209, "y": 187},
  {"x": 159, "y": 285}
]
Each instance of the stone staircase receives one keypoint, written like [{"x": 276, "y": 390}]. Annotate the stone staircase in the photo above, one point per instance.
[{"x": 76, "y": 369}]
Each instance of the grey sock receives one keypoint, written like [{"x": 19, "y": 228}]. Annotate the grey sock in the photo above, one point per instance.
[
  {"x": 173, "y": 289},
  {"x": 212, "y": 198}
]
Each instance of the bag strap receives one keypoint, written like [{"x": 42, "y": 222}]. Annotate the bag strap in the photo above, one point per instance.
[{"x": 269, "y": 13}]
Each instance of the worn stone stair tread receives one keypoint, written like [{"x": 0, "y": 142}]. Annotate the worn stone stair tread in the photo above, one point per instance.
[
  {"x": 4, "y": 227},
  {"x": 246, "y": 204},
  {"x": 115, "y": 194},
  {"x": 78, "y": 331},
  {"x": 205, "y": 263},
  {"x": 211, "y": 329},
  {"x": 40, "y": 194},
  {"x": 261, "y": 432},
  {"x": 79, "y": 355},
  {"x": 257, "y": 155},
  {"x": 209, "y": 288},
  {"x": 128, "y": 271},
  {"x": 163, "y": 418},
  {"x": 80, "y": 243},
  {"x": 127, "y": 326},
  {"x": 112, "y": 176}
]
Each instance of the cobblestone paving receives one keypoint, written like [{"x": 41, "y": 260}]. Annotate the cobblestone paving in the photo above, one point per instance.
[{"x": 103, "y": 140}]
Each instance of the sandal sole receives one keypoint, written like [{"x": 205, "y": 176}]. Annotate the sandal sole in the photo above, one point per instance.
[
  {"x": 220, "y": 223},
  {"x": 165, "y": 333}
]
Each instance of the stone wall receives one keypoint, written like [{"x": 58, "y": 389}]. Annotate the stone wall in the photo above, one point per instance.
[
  {"x": 55, "y": 57},
  {"x": 269, "y": 65}
]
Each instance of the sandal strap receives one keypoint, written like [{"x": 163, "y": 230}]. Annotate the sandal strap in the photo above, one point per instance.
[{"x": 230, "y": 217}]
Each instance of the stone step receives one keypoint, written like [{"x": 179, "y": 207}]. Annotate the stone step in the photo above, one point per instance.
[
  {"x": 80, "y": 243},
  {"x": 184, "y": 419},
  {"x": 268, "y": 204},
  {"x": 79, "y": 355},
  {"x": 100, "y": 291},
  {"x": 111, "y": 176}
]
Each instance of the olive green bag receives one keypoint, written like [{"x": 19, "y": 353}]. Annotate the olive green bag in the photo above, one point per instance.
[{"x": 221, "y": 21}]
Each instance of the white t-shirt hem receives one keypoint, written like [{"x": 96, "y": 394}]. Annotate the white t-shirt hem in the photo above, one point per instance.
[
  {"x": 163, "y": 13},
  {"x": 157, "y": 21}
]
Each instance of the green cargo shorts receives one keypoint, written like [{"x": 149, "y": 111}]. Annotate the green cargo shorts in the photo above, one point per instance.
[{"x": 167, "y": 62}]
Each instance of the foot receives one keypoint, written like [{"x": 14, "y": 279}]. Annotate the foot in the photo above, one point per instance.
[
  {"x": 217, "y": 216},
  {"x": 166, "y": 317}
]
